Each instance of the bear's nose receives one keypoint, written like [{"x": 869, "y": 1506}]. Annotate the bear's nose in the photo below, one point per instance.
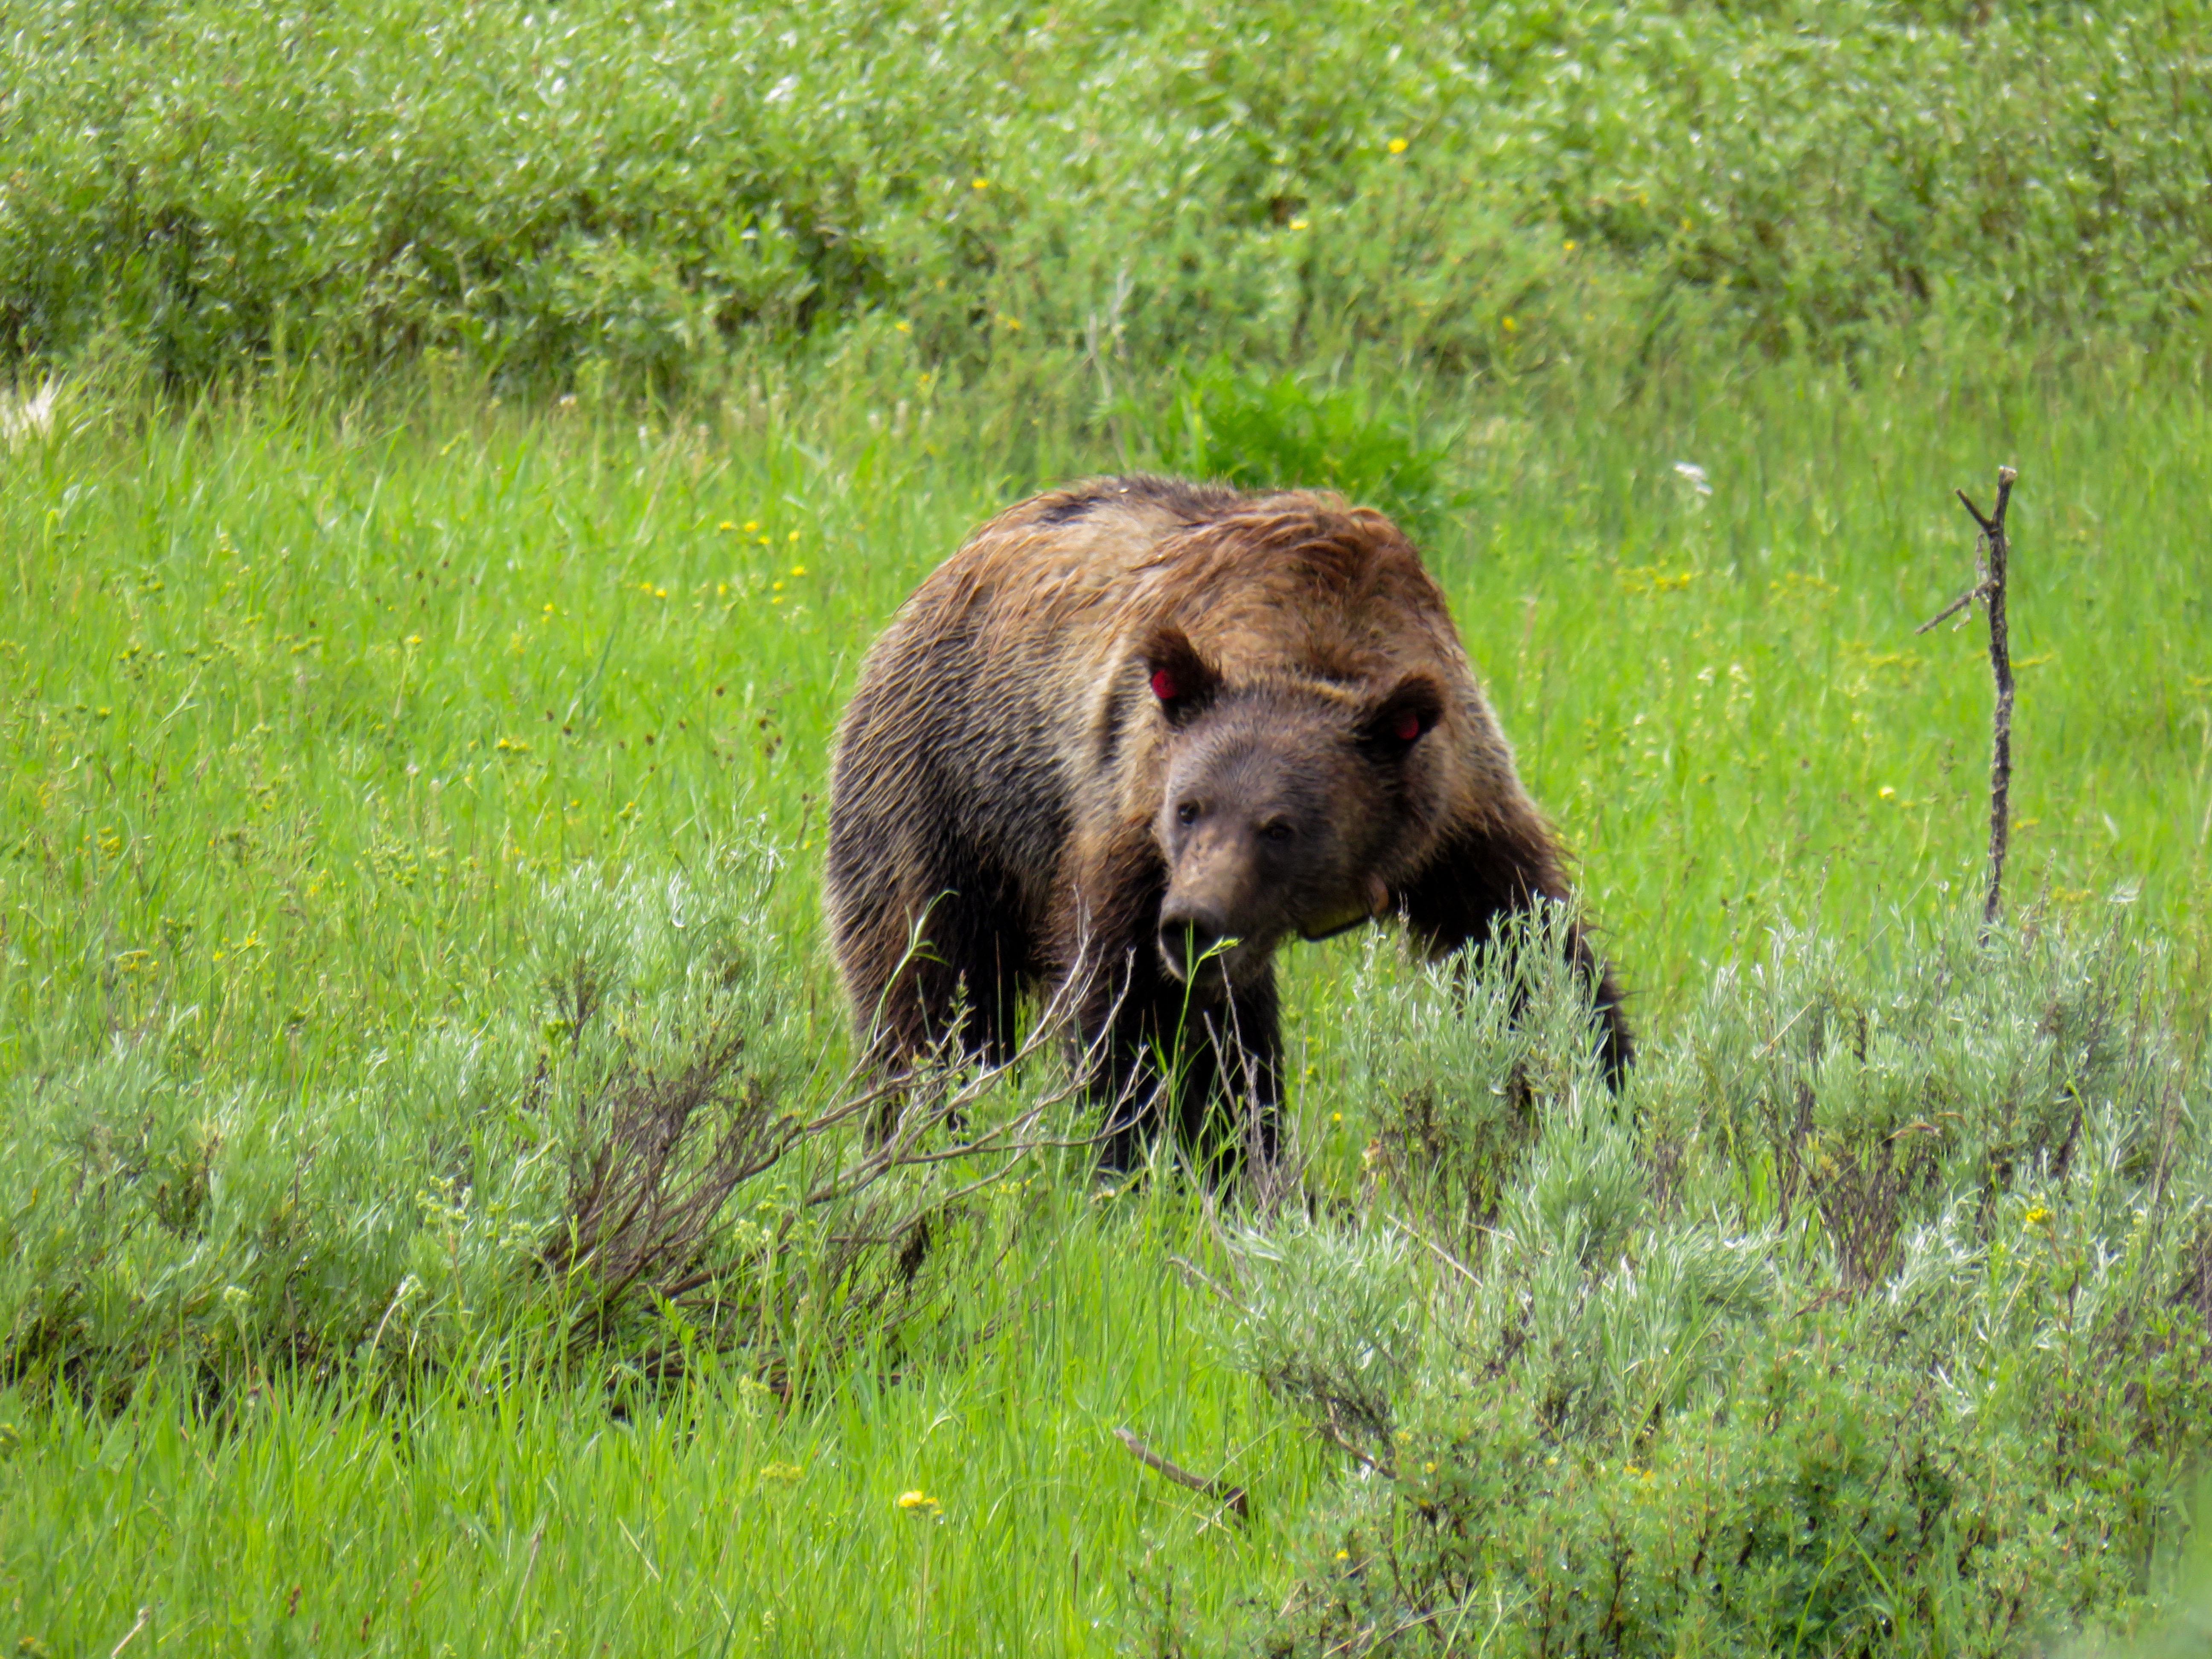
[{"x": 1187, "y": 934}]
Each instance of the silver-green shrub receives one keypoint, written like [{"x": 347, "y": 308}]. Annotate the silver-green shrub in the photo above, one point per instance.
[{"x": 1871, "y": 1315}]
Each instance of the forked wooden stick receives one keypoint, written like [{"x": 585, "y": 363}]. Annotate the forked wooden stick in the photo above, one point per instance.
[{"x": 1991, "y": 554}]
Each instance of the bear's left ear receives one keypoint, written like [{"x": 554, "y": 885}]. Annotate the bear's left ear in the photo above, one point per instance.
[
  {"x": 1403, "y": 717},
  {"x": 1182, "y": 681}
]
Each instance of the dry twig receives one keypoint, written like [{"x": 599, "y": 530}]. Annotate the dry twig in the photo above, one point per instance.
[
  {"x": 1220, "y": 1491},
  {"x": 652, "y": 1183}
]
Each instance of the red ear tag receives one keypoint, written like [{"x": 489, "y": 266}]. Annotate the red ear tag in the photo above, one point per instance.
[
  {"x": 1163, "y": 685},
  {"x": 1408, "y": 726}
]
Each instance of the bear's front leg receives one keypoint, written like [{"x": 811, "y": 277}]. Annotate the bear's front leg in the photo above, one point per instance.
[
  {"x": 1212, "y": 1073},
  {"x": 1229, "y": 1104}
]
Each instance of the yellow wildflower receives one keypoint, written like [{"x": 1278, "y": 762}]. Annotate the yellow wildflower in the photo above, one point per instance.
[
  {"x": 918, "y": 1502},
  {"x": 1396, "y": 147}
]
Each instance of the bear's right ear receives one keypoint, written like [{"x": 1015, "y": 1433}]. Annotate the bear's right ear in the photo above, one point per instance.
[
  {"x": 1404, "y": 716},
  {"x": 1181, "y": 682}
]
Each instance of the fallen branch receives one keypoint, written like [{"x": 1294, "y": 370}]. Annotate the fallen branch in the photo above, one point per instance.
[{"x": 1220, "y": 1491}]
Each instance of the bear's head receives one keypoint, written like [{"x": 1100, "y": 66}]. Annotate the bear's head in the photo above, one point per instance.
[{"x": 1283, "y": 803}]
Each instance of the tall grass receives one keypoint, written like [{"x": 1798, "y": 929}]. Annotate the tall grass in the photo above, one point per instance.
[
  {"x": 509, "y": 1509},
  {"x": 308, "y": 703}
]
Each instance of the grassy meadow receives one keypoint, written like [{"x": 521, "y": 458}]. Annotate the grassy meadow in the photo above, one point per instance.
[
  {"x": 452, "y": 464},
  {"x": 333, "y": 722},
  {"x": 415, "y": 661}
]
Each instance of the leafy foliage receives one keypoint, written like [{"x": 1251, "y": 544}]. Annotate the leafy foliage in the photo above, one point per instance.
[
  {"x": 600, "y": 188},
  {"x": 1285, "y": 433}
]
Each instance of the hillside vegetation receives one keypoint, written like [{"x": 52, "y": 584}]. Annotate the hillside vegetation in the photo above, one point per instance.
[{"x": 606, "y": 188}]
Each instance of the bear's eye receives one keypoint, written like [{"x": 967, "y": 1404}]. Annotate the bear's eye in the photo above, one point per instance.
[
  {"x": 1187, "y": 812},
  {"x": 1276, "y": 833}
]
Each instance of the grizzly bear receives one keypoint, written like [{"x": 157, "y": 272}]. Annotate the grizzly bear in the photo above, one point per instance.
[{"x": 1130, "y": 738}]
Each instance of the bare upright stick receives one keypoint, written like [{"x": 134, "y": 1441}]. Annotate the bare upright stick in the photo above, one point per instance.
[{"x": 1991, "y": 554}]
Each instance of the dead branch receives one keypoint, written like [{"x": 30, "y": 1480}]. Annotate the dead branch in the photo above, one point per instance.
[
  {"x": 1334, "y": 1430},
  {"x": 927, "y": 1100},
  {"x": 1992, "y": 553},
  {"x": 660, "y": 1156}
]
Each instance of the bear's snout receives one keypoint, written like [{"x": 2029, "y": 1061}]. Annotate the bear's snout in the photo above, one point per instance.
[{"x": 1191, "y": 937}]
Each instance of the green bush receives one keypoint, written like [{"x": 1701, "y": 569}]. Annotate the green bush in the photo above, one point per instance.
[
  {"x": 1502, "y": 188},
  {"x": 1284, "y": 433},
  {"x": 1873, "y": 1318},
  {"x": 627, "y": 1158}
]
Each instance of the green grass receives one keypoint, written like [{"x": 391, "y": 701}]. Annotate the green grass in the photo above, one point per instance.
[
  {"x": 261, "y": 665},
  {"x": 318, "y": 712},
  {"x": 511, "y": 1513}
]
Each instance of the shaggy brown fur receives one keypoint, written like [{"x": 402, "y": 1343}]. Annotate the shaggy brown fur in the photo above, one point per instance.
[{"x": 1129, "y": 738}]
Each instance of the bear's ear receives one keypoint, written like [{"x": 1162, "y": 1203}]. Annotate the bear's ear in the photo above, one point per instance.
[
  {"x": 1181, "y": 682},
  {"x": 1402, "y": 718}
]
